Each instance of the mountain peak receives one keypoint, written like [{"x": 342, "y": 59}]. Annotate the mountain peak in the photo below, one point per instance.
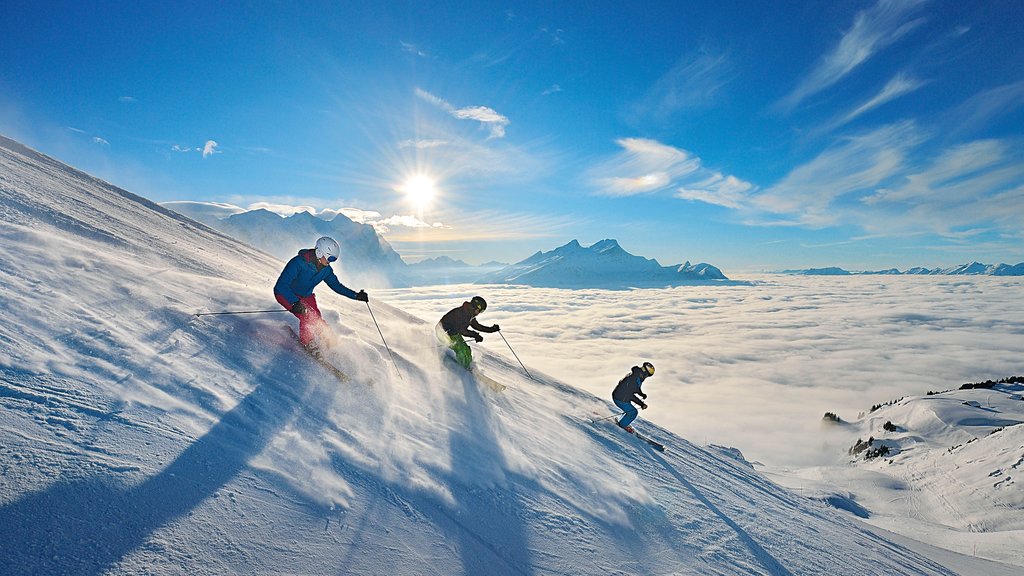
[{"x": 605, "y": 245}]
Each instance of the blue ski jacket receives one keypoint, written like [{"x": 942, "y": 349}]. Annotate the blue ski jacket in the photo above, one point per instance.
[
  {"x": 628, "y": 389},
  {"x": 302, "y": 273}
]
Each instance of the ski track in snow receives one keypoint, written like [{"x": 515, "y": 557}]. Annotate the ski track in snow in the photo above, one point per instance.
[{"x": 137, "y": 438}]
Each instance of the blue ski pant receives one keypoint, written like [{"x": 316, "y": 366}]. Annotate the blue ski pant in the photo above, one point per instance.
[{"x": 630, "y": 412}]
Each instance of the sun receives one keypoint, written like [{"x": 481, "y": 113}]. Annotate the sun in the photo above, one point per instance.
[{"x": 419, "y": 190}]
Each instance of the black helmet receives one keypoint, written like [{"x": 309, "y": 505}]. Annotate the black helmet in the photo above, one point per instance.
[
  {"x": 649, "y": 368},
  {"x": 479, "y": 304}
]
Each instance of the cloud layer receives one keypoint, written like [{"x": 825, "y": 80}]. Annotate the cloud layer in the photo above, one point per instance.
[{"x": 756, "y": 367}]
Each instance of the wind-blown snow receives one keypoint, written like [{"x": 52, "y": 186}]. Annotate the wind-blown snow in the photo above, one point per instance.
[{"x": 136, "y": 437}]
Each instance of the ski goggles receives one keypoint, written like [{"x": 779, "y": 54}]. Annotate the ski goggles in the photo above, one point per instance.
[{"x": 332, "y": 258}]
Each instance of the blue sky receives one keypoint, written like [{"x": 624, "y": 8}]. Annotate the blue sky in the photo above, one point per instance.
[{"x": 751, "y": 135}]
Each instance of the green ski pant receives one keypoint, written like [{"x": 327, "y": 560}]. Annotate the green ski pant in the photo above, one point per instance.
[{"x": 463, "y": 355}]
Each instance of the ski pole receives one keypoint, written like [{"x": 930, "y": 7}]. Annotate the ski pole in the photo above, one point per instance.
[
  {"x": 241, "y": 312},
  {"x": 384, "y": 341},
  {"x": 516, "y": 355},
  {"x": 607, "y": 417}
]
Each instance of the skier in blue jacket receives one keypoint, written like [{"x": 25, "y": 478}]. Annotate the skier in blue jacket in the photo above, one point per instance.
[
  {"x": 628, "y": 392},
  {"x": 294, "y": 288}
]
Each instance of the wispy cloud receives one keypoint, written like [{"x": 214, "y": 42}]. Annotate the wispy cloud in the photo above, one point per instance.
[
  {"x": 645, "y": 166},
  {"x": 728, "y": 191},
  {"x": 968, "y": 188},
  {"x": 127, "y": 99},
  {"x": 385, "y": 225},
  {"x": 695, "y": 81},
  {"x": 210, "y": 148},
  {"x": 857, "y": 164},
  {"x": 894, "y": 180},
  {"x": 413, "y": 49},
  {"x": 873, "y": 30},
  {"x": 898, "y": 86},
  {"x": 979, "y": 111},
  {"x": 553, "y": 89},
  {"x": 100, "y": 141},
  {"x": 423, "y": 144},
  {"x": 489, "y": 226},
  {"x": 488, "y": 117}
]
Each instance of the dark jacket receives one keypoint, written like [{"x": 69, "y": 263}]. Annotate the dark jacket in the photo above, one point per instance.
[
  {"x": 458, "y": 320},
  {"x": 628, "y": 389},
  {"x": 302, "y": 273}
]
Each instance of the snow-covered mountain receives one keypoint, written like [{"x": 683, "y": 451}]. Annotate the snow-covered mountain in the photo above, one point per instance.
[
  {"x": 952, "y": 459},
  {"x": 972, "y": 269},
  {"x": 367, "y": 259},
  {"x": 136, "y": 437},
  {"x": 602, "y": 265},
  {"x": 445, "y": 270}
]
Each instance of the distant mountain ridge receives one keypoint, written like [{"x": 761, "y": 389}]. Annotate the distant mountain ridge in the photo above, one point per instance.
[
  {"x": 602, "y": 265},
  {"x": 367, "y": 260},
  {"x": 446, "y": 270},
  {"x": 972, "y": 269}
]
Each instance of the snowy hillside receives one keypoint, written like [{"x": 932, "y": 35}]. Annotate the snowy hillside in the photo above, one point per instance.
[
  {"x": 138, "y": 438},
  {"x": 367, "y": 259},
  {"x": 946, "y": 468},
  {"x": 604, "y": 264}
]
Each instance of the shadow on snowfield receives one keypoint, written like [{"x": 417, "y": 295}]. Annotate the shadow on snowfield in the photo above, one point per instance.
[{"x": 85, "y": 526}]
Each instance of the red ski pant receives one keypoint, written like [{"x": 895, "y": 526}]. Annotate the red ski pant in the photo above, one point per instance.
[{"x": 311, "y": 324}]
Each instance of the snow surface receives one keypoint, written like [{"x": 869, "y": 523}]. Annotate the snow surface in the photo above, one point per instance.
[
  {"x": 136, "y": 437},
  {"x": 952, "y": 478}
]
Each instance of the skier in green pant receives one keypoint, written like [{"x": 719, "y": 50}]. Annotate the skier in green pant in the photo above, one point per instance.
[{"x": 455, "y": 326}]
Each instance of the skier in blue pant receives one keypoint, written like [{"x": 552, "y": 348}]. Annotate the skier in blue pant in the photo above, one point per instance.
[{"x": 628, "y": 392}]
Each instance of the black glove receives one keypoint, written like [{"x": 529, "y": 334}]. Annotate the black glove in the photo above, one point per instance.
[
  {"x": 496, "y": 328},
  {"x": 643, "y": 406},
  {"x": 298, "y": 308},
  {"x": 642, "y": 395},
  {"x": 478, "y": 337},
  {"x": 362, "y": 296}
]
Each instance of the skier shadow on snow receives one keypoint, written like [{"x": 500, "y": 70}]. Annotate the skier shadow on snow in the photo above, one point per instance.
[
  {"x": 86, "y": 526},
  {"x": 484, "y": 527},
  {"x": 770, "y": 563}
]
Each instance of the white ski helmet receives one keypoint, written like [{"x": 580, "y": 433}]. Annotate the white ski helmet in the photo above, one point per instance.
[{"x": 327, "y": 247}]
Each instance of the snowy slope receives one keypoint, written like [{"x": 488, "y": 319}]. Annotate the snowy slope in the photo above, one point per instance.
[
  {"x": 604, "y": 264},
  {"x": 138, "y": 438},
  {"x": 952, "y": 477}
]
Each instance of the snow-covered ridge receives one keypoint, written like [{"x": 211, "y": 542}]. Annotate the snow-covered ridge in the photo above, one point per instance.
[
  {"x": 367, "y": 261},
  {"x": 952, "y": 459},
  {"x": 971, "y": 269},
  {"x": 136, "y": 437},
  {"x": 602, "y": 265}
]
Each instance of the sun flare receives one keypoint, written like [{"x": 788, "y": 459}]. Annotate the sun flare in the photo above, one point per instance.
[{"x": 419, "y": 190}]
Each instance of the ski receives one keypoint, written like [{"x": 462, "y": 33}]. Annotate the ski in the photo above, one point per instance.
[
  {"x": 341, "y": 376},
  {"x": 653, "y": 443},
  {"x": 482, "y": 378},
  {"x": 656, "y": 445}
]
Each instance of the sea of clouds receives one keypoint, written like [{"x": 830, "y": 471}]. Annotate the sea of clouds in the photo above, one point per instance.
[{"x": 756, "y": 367}]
